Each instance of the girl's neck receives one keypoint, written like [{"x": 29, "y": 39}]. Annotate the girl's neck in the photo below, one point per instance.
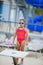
[{"x": 21, "y": 27}]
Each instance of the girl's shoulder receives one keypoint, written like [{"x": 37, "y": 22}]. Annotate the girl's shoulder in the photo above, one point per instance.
[{"x": 26, "y": 29}]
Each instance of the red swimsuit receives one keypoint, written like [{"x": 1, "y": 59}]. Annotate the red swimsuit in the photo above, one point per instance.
[{"x": 20, "y": 35}]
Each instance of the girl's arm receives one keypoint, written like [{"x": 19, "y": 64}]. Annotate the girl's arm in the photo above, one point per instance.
[
  {"x": 14, "y": 36},
  {"x": 26, "y": 40}
]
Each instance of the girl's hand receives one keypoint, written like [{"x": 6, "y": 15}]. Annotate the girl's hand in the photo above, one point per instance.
[{"x": 26, "y": 43}]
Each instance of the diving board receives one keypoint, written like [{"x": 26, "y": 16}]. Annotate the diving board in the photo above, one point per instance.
[{"x": 14, "y": 54}]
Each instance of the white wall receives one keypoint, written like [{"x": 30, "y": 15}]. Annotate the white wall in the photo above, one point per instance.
[{"x": 5, "y": 11}]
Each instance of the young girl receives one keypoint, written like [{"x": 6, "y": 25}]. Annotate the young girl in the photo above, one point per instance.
[{"x": 22, "y": 37}]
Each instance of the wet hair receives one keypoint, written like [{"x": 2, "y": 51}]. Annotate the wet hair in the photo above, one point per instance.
[{"x": 22, "y": 20}]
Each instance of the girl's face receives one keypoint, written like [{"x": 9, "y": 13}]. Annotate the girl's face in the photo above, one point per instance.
[{"x": 21, "y": 23}]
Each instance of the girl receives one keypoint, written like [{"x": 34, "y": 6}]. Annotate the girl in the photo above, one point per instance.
[{"x": 22, "y": 37}]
